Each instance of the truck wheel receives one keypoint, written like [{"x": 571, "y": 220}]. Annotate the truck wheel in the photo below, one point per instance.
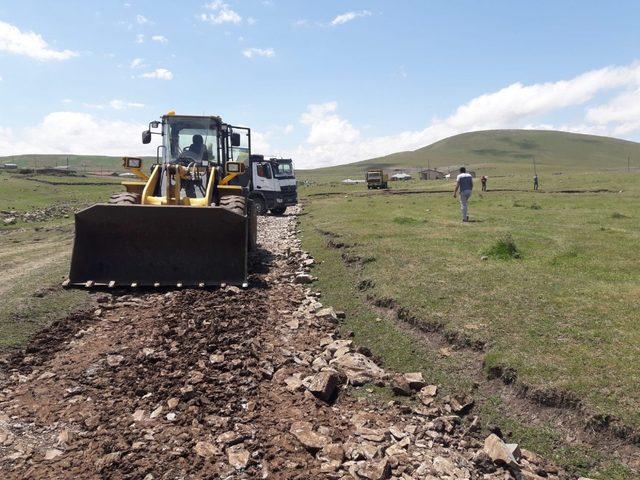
[
  {"x": 278, "y": 210},
  {"x": 261, "y": 208},
  {"x": 124, "y": 198}
]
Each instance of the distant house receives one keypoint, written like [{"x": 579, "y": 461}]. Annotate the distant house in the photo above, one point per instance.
[
  {"x": 9, "y": 166},
  {"x": 431, "y": 174}
]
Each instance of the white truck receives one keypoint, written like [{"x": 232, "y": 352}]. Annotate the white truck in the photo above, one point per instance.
[{"x": 273, "y": 184}]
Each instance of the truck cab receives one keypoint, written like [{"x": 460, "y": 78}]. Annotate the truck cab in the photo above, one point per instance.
[
  {"x": 273, "y": 184},
  {"x": 376, "y": 178}
]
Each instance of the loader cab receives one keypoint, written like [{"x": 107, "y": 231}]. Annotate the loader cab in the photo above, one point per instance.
[{"x": 189, "y": 139}]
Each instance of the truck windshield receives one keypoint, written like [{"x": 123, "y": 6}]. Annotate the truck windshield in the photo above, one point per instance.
[
  {"x": 373, "y": 175},
  {"x": 192, "y": 140},
  {"x": 283, "y": 168}
]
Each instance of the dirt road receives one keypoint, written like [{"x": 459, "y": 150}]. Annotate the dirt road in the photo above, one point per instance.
[{"x": 230, "y": 383}]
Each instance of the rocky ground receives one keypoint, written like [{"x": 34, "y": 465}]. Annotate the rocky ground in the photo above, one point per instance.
[
  {"x": 232, "y": 383},
  {"x": 10, "y": 217}
]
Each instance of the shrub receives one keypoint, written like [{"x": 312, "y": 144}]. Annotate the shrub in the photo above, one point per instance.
[
  {"x": 505, "y": 248},
  {"x": 618, "y": 215}
]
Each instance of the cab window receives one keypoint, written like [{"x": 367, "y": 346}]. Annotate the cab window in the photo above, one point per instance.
[{"x": 263, "y": 170}]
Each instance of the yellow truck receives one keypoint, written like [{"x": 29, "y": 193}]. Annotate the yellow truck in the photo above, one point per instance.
[{"x": 376, "y": 178}]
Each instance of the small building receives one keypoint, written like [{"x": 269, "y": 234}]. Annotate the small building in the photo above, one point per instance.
[
  {"x": 10, "y": 166},
  {"x": 431, "y": 174},
  {"x": 127, "y": 175}
]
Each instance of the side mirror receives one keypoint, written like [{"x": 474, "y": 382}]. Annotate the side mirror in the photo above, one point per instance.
[
  {"x": 235, "y": 139},
  {"x": 155, "y": 124},
  {"x": 146, "y": 137}
]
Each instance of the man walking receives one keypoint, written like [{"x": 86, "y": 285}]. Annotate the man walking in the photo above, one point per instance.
[
  {"x": 464, "y": 185},
  {"x": 483, "y": 181},
  {"x": 535, "y": 182}
]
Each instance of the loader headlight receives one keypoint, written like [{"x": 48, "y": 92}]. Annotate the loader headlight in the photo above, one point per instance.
[
  {"x": 132, "y": 162},
  {"x": 235, "y": 167}
]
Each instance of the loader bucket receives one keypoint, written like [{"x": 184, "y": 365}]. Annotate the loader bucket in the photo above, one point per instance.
[{"x": 147, "y": 245}]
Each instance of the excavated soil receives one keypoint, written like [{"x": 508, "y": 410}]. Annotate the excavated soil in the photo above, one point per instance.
[{"x": 229, "y": 383}]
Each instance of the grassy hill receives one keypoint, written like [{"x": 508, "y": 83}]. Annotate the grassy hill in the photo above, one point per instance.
[{"x": 502, "y": 152}]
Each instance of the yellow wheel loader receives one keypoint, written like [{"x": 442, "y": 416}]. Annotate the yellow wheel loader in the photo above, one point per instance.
[{"x": 187, "y": 223}]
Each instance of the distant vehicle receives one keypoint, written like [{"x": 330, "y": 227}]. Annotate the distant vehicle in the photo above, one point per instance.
[
  {"x": 376, "y": 178},
  {"x": 10, "y": 166},
  {"x": 401, "y": 176},
  {"x": 272, "y": 184},
  {"x": 351, "y": 181}
]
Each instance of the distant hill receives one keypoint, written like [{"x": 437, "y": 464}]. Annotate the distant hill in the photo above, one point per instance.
[
  {"x": 78, "y": 162},
  {"x": 90, "y": 163},
  {"x": 506, "y": 150}
]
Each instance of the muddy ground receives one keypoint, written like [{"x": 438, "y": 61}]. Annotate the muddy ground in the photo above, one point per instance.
[{"x": 231, "y": 383}]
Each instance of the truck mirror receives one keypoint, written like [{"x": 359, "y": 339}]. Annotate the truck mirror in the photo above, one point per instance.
[
  {"x": 235, "y": 139},
  {"x": 146, "y": 137}
]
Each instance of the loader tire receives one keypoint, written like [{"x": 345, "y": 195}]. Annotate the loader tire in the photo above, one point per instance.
[
  {"x": 234, "y": 203},
  {"x": 124, "y": 199}
]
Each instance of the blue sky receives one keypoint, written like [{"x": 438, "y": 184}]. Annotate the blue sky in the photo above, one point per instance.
[{"x": 325, "y": 81}]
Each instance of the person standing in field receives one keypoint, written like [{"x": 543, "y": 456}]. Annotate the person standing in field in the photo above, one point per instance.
[
  {"x": 483, "y": 180},
  {"x": 464, "y": 185},
  {"x": 535, "y": 182}
]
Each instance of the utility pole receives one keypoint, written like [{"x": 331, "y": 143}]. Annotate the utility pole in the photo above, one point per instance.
[
  {"x": 535, "y": 171},
  {"x": 628, "y": 163}
]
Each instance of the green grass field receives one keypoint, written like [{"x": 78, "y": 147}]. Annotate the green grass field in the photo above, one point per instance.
[
  {"x": 563, "y": 317},
  {"x": 35, "y": 255}
]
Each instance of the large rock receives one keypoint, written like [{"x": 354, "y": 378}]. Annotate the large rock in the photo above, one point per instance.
[
  {"x": 498, "y": 451},
  {"x": 400, "y": 386},
  {"x": 376, "y": 470},
  {"x": 303, "y": 278},
  {"x": 311, "y": 440},
  {"x": 324, "y": 384},
  {"x": 9, "y": 220},
  {"x": 415, "y": 380},
  {"x": 358, "y": 368},
  {"x": 206, "y": 449},
  {"x": 238, "y": 457},
  {"x": 327, "y": 313}
]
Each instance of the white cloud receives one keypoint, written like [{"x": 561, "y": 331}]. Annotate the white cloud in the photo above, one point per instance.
[
  {"x": 259, "y": 52},
  {"x": 137, "y": 63},
  {"x": 142, "y": 20},
  {"x": 30, "y": 44},
  {"x": 121, "y": 105},
  {"x": 251, "y": 21},
  {"x": 1, "y": 79},
  {"x": 115, "y": 104},
  {"x": 222, "y": 14},
  {"x": 160, "y": 39},
  {"x": 140, "y": 38},
  {"x": 301, "y": 23},
  {"x": 159, "y": 73},
  {"x": 288, "y": 129},
  {"x": 334, "y": 140},
  {"x": 75, "y": 132},
  {"x": 347, "y": 17},
  {"x": 66, "y": 100}
]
